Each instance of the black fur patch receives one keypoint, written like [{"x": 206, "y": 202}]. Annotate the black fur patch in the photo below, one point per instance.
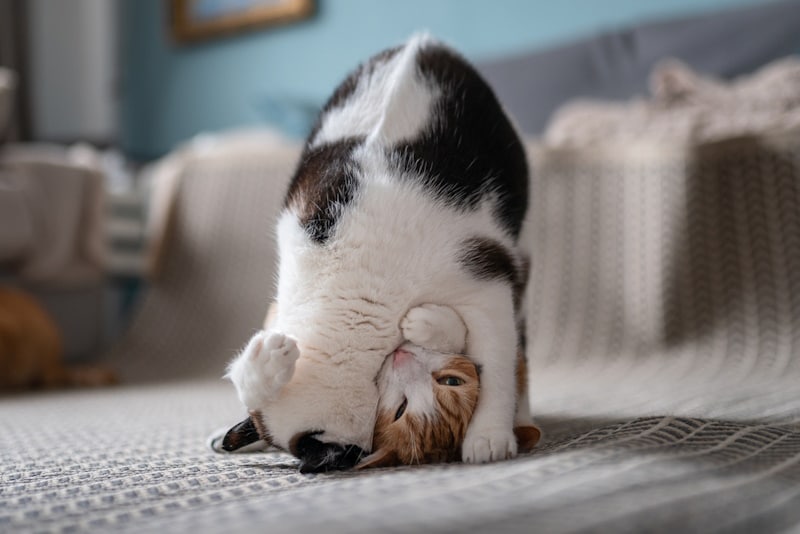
[
  {"x": 324, "y": 183},
  {"x": 318, "y": 457},
  {"x": 240, "y": 435},
  {"x": 486, "y": 259},
  {"x": 470, "y": 147}
]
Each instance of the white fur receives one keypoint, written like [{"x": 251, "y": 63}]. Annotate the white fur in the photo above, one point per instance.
[
  {"x": 392, "y": 103},
  {"x": 395, "y": 248},
  {"x": 438, "y": 328},
  {"x": 266, "y": 365}
]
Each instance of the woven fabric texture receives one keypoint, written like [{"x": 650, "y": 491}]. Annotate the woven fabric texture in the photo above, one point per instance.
[{"x": 664, "y": 332}]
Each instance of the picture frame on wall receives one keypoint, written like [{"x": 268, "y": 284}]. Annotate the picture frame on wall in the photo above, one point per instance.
[{"x": 195, "y": 20}]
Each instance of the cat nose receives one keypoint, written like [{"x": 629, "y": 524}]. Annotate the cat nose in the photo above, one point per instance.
[
  {"x": 401, "y": 357},
  {"x": 318, "y": 457}
]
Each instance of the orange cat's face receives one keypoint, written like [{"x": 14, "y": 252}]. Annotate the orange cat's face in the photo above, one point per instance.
[{"x": 426, "y": 402}]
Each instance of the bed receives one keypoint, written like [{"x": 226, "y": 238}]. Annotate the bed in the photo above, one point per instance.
[{"x": 664, "y": 348}]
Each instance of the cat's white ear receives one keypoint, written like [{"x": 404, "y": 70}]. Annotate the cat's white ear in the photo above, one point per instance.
[
  {"x": 527, "y": 437},
  {"x": 379, "y": 458}
]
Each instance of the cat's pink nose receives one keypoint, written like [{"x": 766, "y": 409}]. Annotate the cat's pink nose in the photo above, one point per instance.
[{"x": 400, "y": 357}]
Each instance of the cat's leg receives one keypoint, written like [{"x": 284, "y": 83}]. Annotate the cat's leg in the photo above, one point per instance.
[
  {"x": 263, "y": 368},
  {"x": 525, "y": 429},
  {"x": 435, "y": 327},
  {"x": 527, "y": 432},
  {"x": 523, "y": 413},
  {"x": 492, "y": 344}
]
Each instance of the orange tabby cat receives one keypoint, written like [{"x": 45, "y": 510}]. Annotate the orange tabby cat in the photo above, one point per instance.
[
  {"x": 31, "y": 348},
  {"x": 427, "y": 401}
]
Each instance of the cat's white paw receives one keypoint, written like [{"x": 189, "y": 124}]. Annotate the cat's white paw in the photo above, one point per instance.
[
  {"x": 263, "y": 368},
  {"x": 489, "y": 445},
  {"x": 434, "y": 327}
]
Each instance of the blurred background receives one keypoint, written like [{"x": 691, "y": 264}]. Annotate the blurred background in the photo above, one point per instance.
[
  {"x": 93, "y": 92},
  {"x": 118, "y": 73}
]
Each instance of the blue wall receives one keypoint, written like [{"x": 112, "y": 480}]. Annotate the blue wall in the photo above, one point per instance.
[{"x": 171, "y": 92}]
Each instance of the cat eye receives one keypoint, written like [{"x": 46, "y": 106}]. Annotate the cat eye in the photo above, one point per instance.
[
  {"x": 450, "y": 381},
  {"x": 401, "y": 410}
]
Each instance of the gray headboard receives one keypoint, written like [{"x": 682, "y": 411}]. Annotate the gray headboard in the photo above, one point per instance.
[{"x": 616, "y": 65}]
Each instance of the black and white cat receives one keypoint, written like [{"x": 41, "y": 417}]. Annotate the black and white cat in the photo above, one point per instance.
[{"x": 411, "y": 190}]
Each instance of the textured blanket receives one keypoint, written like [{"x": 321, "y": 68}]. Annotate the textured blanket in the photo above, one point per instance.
[{"x": 664, "y": 335}]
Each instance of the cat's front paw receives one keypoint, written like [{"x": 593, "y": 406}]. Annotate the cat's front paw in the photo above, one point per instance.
[
  {"x": 434, "y": 327},
  {"x": 263, "y": 368},
  {"x": 488, "y": 445}
]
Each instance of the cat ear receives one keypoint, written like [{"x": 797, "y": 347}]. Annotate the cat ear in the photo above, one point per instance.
[
  {"x": 379, "y": 458},
  {"x": 527, "y": 437}
]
